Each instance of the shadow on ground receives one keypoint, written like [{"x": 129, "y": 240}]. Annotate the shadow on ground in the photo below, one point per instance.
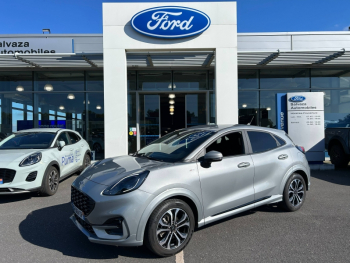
[
  {"x": 17, "y": 197},
  {"x": 51, "y": 228},
  {"x": 339, "y": 176}
]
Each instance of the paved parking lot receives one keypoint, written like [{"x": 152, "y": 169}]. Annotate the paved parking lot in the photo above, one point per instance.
[{"x": 38, "y": 229}]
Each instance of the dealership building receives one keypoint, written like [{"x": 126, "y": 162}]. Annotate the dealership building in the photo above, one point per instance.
[{"x": 154, "y": 70}]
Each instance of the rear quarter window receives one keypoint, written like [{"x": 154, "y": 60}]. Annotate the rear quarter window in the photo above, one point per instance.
[{"x": 261, "y": 141}]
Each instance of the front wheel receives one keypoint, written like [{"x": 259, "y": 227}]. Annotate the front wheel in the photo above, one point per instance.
[
  {"x": 338, "y": 156},
  {"x": 294, "y": 193},
  {"x": 169, "y": 228},
  {"x": 50, "y": 182}
]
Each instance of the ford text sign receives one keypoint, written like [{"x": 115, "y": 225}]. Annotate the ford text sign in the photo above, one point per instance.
[
  {"x": 170, "y": 22},
  {"x": 297, "y": 99}
]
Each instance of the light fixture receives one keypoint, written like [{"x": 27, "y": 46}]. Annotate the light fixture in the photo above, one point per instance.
[
  {"x": 48, "y": 87},
  {"x": 71, "y": 96},
  {"x": 171, "y": 101},
  {"x": 244, "y": 105},
  {"x": 268, "y": 108},
  {"x": 174, "y": 86},
  {"x": 171, "y": 110},
  {"x": 88, "y": 102},
  {"x": 98, "y": 107},
  {"x": 171, "y": 96},
  {"x": 171, "y": 113},
  {"x": 171, "y": 106},
  {"x": 169, "y": 86},
  {"x": 19, "y": 88},
  {"x": 61, "y": 107}
]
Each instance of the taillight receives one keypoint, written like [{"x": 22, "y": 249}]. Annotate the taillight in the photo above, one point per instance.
[{"x": 301, "y": 148}]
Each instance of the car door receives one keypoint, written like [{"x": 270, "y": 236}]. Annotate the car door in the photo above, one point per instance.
[
  {"x": 226, "y": 184},
  {"x": 272, "y": 159},
  {"x": 78, "y": 149},
  {"x": 65, "y": 155}
]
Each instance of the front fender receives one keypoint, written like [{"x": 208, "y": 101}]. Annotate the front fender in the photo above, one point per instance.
[{"x": 159, "y": 199}]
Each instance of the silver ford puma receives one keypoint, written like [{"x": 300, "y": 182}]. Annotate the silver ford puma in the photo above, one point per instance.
[{"x": 187, "y": 179}]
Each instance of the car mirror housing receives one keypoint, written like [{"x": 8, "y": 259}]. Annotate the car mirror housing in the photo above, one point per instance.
[
  {"x": 213, "y": 156},
  {"x": 61, "y": 144}
]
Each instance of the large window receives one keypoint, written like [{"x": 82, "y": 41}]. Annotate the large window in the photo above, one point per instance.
[
  {"x": 248, "y": 104},
  {"x": 16, "y": 81},
  {"x": 59, "y": 81},
  {"x": 190, "y": 80},
  {"x": 154, "y": 80},
  {"x": 287, "y": 79}
]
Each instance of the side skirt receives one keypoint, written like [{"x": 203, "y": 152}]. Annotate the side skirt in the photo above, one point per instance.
[{"x": 246, "y": 207}]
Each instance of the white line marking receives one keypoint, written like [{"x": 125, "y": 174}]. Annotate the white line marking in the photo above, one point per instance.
[{"x": 179, "y": 257}]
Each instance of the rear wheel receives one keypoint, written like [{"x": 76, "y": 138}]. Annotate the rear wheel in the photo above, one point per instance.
[
  {"x": 294, "y": 193},
  {"x": 50, "y": 182},
  {"x": 338, "y": 156},
  {"x": 169, "y": 228}
]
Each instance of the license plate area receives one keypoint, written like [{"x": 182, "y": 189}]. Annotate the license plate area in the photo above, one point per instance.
[{"x": 78, "y": 212}]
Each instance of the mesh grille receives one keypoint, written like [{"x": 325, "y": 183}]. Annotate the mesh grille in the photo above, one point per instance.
[
  {"x": 7, "y": 175},
  {"x": 82, "y": 201},
  {"x": 84, "y": 224}
]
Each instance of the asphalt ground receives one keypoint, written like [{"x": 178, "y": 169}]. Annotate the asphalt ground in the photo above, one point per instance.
[{"x": 38, "y": 229}]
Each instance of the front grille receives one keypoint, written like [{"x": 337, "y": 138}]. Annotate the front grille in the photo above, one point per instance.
[
  {"x": 82, "y": 201},
  {"x": 84, "y": 224},
  {"x": 7, "y": 175}
]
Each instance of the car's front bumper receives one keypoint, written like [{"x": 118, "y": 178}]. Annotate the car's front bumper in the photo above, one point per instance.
[
  {"x": 19, "y": 184},
  {"x": 129, "y": 207}
]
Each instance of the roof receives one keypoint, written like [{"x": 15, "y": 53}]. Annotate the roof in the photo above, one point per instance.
[
  {"x": 222, "y": 127},
  {"x": 41, "y": 130}
]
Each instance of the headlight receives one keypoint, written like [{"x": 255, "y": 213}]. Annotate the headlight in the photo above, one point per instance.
[
  {"x": 127, "y": 184},
  {"x": 31, "y": 159}
]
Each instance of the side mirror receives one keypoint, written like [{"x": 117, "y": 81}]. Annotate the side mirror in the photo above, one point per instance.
[
  {"x": 213, "y": 156},
  {"x": 61, "y": 144}
]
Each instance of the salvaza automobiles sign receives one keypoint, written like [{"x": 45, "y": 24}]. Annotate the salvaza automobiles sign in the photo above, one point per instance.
[{"x": 170, "y": 22}]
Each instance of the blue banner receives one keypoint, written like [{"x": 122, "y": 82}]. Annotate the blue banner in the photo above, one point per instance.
[{"x": 281, "y": 111}]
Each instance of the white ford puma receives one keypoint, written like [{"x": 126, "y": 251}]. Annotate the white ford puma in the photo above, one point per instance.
[{"x": 37, "y": 159}]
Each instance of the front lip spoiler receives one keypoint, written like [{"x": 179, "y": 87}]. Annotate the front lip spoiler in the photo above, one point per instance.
[
  {"x": 12, "y": 191},
  {"x": 129, "y": 242}
]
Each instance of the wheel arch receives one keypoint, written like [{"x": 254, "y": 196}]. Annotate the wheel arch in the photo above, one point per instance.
[
  {"x": 337, "y": 141},
  {"x": 176, "y": 193},
  {"x": 295, "y": 169},
  {"x": 54, "y": 164}
]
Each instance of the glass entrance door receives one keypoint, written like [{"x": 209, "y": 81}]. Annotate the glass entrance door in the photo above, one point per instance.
[{"x": 160, "y": 114}]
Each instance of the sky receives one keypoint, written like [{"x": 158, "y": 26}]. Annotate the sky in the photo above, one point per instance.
[{"x": 78, "y": 16}]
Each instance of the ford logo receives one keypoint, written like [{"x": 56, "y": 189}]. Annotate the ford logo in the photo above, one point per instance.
[
  {"x": 170, "y": 22},
  {"x": 297, "y": 99}
]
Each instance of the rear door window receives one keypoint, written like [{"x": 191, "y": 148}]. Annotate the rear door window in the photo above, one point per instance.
[
  {"x": 73, "y": 137},
  {"x": 261, "y": 141}
]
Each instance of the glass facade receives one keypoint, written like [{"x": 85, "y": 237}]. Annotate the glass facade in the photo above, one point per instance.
[
  {"x": 54, "y": 99},
  {"x": 75, "y": 99},
  {"x": 257, "y": 91}
]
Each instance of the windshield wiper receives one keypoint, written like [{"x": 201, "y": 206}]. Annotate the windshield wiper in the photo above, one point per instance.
[{"x": 148, "y": 157}]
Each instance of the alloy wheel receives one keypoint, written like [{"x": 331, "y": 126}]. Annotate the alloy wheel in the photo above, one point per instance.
[
  {"x": 173, "y": 228},
  {"x": 296, "y": 192},
  {"x": 53, "y": 180}
]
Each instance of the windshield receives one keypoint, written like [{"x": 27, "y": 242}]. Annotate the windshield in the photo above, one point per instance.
[
  {"x": 175, "y": 146},
  {"x": 32, "y": 140}
]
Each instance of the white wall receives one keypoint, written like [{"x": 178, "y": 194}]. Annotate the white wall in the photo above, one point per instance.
[{"x": 119, "y": 36}]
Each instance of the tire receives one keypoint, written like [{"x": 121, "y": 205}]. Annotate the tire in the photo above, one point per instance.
[
  {"x": 50, "y": 182},
  {"x": 87, "y": 161},
  {"x": 179, "y": 235},
  {"x": 97, "y": 148},
  {"x": 338, "y": 156},
  {"x": 294, "y": 193}
]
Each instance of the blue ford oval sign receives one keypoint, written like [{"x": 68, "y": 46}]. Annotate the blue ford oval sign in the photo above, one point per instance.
[
  {"x": 170, "y": 22},
  {"x": 297, "y": 99}
]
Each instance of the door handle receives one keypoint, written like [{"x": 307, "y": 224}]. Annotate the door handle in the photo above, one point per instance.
[
  {"x": 243, "y": 165},
  {"x": 283, "y": 157}
]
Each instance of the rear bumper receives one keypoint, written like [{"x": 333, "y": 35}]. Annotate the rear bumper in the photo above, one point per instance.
[{"x": 129, "y": 241}]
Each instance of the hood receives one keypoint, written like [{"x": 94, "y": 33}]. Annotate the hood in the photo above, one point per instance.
[
  {"x": 111, "y": 170},
  {"x": 8, "y": 156}
]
